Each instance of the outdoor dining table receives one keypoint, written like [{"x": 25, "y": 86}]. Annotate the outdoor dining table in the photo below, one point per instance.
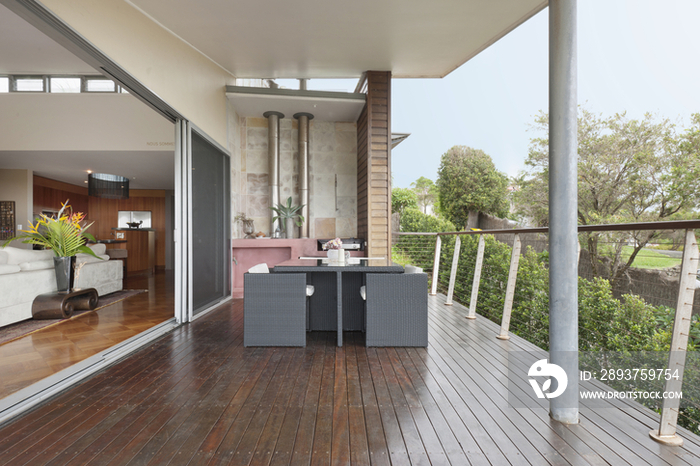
[{"x": 324, "y": 271}]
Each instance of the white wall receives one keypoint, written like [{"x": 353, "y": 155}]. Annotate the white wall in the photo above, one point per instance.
[
  {"x": 18, "y": 186},
  {"x": 181, "y": 76},
  {"x": 82, "y": 122}
]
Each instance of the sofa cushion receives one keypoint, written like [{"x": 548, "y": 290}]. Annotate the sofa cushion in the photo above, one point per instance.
[
  {"x": 8, "y": 268},
  {"x": 3, "y": 257},
  {"x": 87, "y": 258},
  {"x": 98, "y": 248},
  {"x": 17, "y": 256},
  {"x": 36, "y": 265}
]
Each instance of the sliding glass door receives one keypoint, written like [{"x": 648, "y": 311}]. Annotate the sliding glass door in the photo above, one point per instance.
[
  {"x": 211, "y": 252},
  {"x": 202, "y": 223}
]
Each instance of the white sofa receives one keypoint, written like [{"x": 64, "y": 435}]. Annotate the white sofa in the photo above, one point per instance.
[{"x": 25, "y": 274}]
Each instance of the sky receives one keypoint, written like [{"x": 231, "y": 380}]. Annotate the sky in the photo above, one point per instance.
[{"x": 634, "y": 56}]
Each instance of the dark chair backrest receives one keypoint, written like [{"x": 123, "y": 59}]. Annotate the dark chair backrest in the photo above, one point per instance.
[
  {"x": 274, "y": 309},
  {"x": 397, "y": 309}
]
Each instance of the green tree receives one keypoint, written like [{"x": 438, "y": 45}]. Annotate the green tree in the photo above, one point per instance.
[
  {"x": 417, "y": 221},
  {"x": 468, "y": 183},
  {"x": 402, "y": 199},
  {"x": 426, "y": 191},
  {"x": 629, "y": 171}
]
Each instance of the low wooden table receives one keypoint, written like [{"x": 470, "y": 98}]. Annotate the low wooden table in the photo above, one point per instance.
[{"x": 60, "y": 305}]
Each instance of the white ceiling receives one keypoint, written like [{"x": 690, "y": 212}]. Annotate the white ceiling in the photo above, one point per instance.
[
  {"x": 145, "y": 170},
  {"x": 339, "y": 39}
]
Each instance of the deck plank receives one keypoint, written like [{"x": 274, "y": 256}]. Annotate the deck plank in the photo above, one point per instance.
[
  {"x": 230, "y": 446},
  {"x": 197, "y": 396},
  {"x": 487, "y": 349},
  {"x": 398, "y": 453},
  {"x": 376, "y": 440},
  {"x": 284, "y": 447},
  {"x": 323, "y": 433}
]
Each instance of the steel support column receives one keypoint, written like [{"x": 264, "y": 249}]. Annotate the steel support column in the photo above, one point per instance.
[
  {"x": 303, "y": 139},
  {"x": 563, "y": 203},
  {"x": 273, "y": 149}
]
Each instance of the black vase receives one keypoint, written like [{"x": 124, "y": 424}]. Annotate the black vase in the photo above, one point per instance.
[{"x": 63, "y": 267}]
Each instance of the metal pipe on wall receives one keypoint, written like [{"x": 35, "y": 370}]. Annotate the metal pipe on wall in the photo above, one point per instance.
[
  {"x": 304, "y": 169},
  {"x": 273, "y": 151}
]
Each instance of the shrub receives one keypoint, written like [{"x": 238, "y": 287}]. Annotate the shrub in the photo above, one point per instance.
[{"x": 414, "y": 220}]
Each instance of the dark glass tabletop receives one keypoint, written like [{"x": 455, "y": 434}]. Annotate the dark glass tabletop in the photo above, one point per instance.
[{"x": 322, "y": 265}]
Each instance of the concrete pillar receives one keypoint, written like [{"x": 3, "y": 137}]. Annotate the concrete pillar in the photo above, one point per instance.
[{"x": 563, "y": 203}]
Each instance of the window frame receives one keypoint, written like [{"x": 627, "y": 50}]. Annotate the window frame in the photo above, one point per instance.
[
  {"x": 15, "y": 78},
  {"x": 62, "y": 76},
  {"x": 84, "y": 84}
]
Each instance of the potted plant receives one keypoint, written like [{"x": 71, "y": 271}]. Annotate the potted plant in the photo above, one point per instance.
[
  {"x": 247, "y": 223},
  {"x": 65, "y": 235},
  {"x": 288, "y": 213}
]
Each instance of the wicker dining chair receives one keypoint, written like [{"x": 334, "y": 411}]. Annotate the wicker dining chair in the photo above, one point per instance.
[
  {"x": 275, "y": 308},
  {"x": 396, "y": 309}
]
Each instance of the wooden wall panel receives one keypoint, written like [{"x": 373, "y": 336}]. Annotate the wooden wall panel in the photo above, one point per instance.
[
  {"x": 48, "y": 195},
  {"x": 362, "y": 176},
  {"x": 374, "y": 165},
  {"x": 104, "y": 212}
]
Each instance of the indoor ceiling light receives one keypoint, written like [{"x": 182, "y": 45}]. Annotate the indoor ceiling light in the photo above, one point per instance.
[{"x": 108, "y": 186}]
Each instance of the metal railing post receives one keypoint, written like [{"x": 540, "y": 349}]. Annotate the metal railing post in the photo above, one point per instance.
[
  {"x": 666, "y": 433},
  {"x": 436, "y": 265},
  {"x": 453, "y": 272},
  {"x": 477, "y": 277},
  {"x": 510, "y": 289}
]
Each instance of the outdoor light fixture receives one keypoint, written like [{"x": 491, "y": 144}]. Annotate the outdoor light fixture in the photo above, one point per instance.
[{"x": 108, "y": 186}]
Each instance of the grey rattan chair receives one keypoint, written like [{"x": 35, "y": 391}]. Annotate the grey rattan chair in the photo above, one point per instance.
[
  {"x": 274, "y": 309},
  {"x": 397, "y": 309},
  {"x": 407, "y": 269}
]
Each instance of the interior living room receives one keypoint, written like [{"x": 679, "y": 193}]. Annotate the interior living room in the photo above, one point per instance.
[{"x": 65, "y": 121}]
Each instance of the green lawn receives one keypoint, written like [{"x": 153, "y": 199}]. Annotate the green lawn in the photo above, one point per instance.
[{"x": 647, "y": 259}]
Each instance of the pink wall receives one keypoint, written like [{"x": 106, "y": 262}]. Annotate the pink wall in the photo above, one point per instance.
[{"x": 249, "y": 252}]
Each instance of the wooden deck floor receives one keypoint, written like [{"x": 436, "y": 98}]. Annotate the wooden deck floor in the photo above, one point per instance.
[{"x": 197, "y": 396}]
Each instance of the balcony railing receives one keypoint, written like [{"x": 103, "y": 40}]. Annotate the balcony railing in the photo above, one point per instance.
[{"x": 479, "y": 269}]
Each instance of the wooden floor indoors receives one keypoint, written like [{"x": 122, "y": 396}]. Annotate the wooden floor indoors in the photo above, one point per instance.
[
  {"x": 49, "y": 350},
  {"x": 197, "y": 397}
]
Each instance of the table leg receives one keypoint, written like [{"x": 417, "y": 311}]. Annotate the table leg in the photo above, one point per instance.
[{"x": 339, "y": 289}]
